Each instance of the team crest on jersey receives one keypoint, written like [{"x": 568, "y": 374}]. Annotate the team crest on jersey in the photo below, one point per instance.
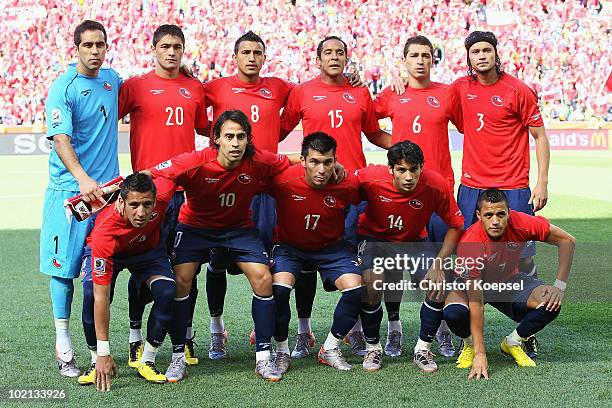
[
  {"x": 433, "y": 101},
  {"x": 164, "y": 165},
  {"x": 265, "y": 92},
  {"x": 471, "y": 97},
  {"x": 348, "y": 97},
  {"x": 513, "y": 246},
  {"x": 298, "y": 197},
  {"x": 107, "y": 86},
  {"x": 99, "y": 266},
  {"x": 384, "y": 199},
  {"x": 156, "y": 91},
  {"x": 185, "y": 93},
  {"x": 329, "y": 201},
  {"x": 244, "y": 178},
  {"x": 497, "y": 100},
  {"x": 318, "y": 97},
  {"x": 56, "y": 264},
  {"x": 211, "y": 180},
  {"x": 86, "y": 92},
  {"x": 154, "y": 215},
  {"x": 404, "y": 100},
  {"x": 416, "y": 204}
]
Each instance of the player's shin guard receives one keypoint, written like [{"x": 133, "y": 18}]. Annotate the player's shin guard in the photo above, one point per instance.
[
  {"x": 282, "y": 293},
  {"x": 393, "y": 311},
  {"x": 457, "y": 318},
  {"x": 216, "y": 287},
  {"x": 431, "y": 315},
  {"x": 178, "y": 327},
  {"x": 535, "y": 320},
  {"x": 263, "y": 310},
  {"x": 163, "y": 292},
  {"x": 87, "y": 316},
  {"x": 193, "y": 297},
  {"x": 347, "y": 312},
  {"x": 61, "y": 290},
  {"x": 371, "y": 317},
  {"x": 305, "y": 291}
]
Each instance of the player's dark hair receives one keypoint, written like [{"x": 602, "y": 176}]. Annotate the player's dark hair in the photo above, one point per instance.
[
  {"x": 320, "y": 142},
  {"x": 492, "y": 195},
  {"x": 418, "y": 40},
  {"x": 248, "y": 36},
  {"x": 168, "y": 29},
  {"x": 330, "y": 37},
  {"x": 408, "y": 151},
  {"x": 240, "y": 118},
  {"x": 482, "y": 36},
  {"x": 87, "y": 25},
  {"x": 137, "y": 182}
]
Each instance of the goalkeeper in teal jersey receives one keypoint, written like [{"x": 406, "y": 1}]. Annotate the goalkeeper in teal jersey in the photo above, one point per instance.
[{"x": 82, "y": 120}]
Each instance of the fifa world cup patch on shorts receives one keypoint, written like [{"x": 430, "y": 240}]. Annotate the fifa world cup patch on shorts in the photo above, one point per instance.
[{"x": 99, "y": 268}]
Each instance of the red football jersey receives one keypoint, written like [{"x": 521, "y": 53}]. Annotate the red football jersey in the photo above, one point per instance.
[
  {"x": 500, "y": 258},
  {"x": 420, "y": 115},
  {"x": 496, "y": 121},
  {"x": 216, "y": 197},
  {"x": 113, "y": 235},
  {"x": 260, "y": 101},
  {"x": 163, "y": 116},
  {"x": 308, "y": 218},
  {"x": 341, "y": 111},
  {"x": 397, "y": 217}
]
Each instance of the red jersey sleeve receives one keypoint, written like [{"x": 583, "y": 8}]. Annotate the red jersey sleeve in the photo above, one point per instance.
[
  {"x": 293, "y": 111},
  {"x": 381, "y": 104},
  {"x": 537, "y": 227},
  {"x": 448, "y": 210},
  {"x": 201, "y": 115},
  {"x": 469, "y": 262},
  {"x": 174, "y": 168},
  {"x": 103, "y": 247},
  {"x": 369, "y": 122},
  {"x": 274, "y": 163},
  {"x": 452, "y": 106},
  {"x": 528, "y": 107},
  {"x": 126, "y": 99}
]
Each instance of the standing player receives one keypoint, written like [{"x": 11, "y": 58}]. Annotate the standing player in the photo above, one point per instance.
[
  {"x": 82, "y": 119},
  {"x": 401, "y": 199},
  {"x": 492, "y": 246},
  {"x": 128, "y": 235},
  {"x": 329, "y": 104},
  {"x": 420, "y": 115},
  {"x": 165, "y": 106},
  {"x": 219, "y": 183},
  {"x": 262, "y": 99},
  {"x": 499, "y": 112},
  {"x": 310, "y": 228}
]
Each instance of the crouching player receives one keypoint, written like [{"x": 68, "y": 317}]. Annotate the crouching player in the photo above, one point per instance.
[
  {"x": 219, "y": 184},
  {"x": 127, "y": 235},
  {"x": 310, "y": 225},
  {"x": 489, "y": 253},
  {"x": 401, "y": 199}
]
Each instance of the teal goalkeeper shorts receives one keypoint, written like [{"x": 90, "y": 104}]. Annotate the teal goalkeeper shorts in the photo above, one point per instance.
[{"x": 61, "y": 241}]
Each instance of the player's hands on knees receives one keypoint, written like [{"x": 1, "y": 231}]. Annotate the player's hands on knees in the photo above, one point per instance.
[
  {"x": 105, "y": 368},
  {"x": 437, "y": 279},
  {"x": 539, "y": 197},
  {"x": 479, "y": 367},
  {"x": 90, "y": 190},
  {"x": 552, "y": 298},
  {"x": 339, "y": 173}
]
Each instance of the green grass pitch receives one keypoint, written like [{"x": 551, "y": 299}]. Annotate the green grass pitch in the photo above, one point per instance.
[{"x": 575, "y": 367}]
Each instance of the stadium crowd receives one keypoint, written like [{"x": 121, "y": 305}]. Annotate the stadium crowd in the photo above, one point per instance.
[{"x": 562, "y": 49}]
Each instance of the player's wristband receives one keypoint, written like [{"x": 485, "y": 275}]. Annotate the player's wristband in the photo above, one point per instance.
[
  {"x": 560, "y": 284},
  {"x": 103, "y": 348}
]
